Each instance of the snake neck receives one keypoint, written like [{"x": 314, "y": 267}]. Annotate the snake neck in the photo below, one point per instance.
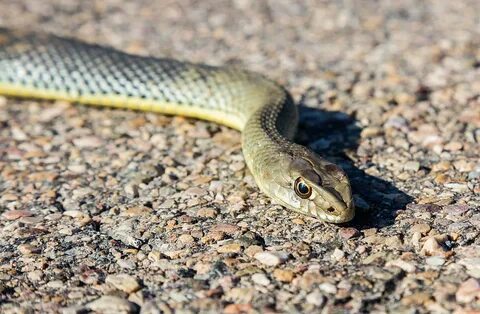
[{"x": 267, "y": 136}]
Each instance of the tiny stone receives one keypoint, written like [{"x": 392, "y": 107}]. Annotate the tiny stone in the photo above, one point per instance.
[
  {"x": 74, "y": 213},
  {"x": 123, "y": 282},
  {"x": 127, "y": 264},
  {"x": 56, "y": 284},
  {"x": 207, "y": 212},
  {"x": 27, "y": 249},
  {"x": 348, "y": 233},
  {"x": 271, "y": 258},
  {"x": 283, "y": 275},
  {"x": 87, "y": 142},
  {"x": 432, "y": 247},
  {"x": 456, "y": 209},
  {"x": 411, "y": 166},
  {"x": 15, "y": 214},
  {"x": 229, "y": 248},
  {"x": 186, "y": 239},
  {"x": 404, "y": 265},
  {"x": 435, "y": 261},
  {"x": 328, "y": 288},
  {"x": 35, "y": 275},
  {"x": 226, "y": 228},
  {"x": 252, "y": 250},
  {"x": 422, "y": 228},
  {"x": 315, "y": 298},
  {"x": 260, "y": 279},
  {"x": 468, "y": 291},
  {"x": 338, "y": 254},
  {"x": 112, "y": 304}
]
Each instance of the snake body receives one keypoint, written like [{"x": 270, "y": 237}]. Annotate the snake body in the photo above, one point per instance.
[{"x": 45, "y": 66}]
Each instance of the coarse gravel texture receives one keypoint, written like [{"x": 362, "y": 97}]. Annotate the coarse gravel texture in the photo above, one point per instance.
[{"x": 121, "y": 211}]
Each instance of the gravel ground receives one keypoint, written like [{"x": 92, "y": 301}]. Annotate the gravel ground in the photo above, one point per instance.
[{"x": 126, "y": 211}]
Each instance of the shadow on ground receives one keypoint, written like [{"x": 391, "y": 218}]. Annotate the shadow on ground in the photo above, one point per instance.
[{"x": 331, "y": 134}]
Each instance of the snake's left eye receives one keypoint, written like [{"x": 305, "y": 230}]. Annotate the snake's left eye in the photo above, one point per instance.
[{"x": 302, "y": 188}]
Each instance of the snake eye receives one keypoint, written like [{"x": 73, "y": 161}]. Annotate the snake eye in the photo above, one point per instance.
[{"x": 302, "y": 189}]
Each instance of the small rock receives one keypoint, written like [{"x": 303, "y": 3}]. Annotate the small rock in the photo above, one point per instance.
[
  {"x": 27, "y": 249},
  {"x": 338, "y": 254},
  {"x": 328, "y": 288},
  {"x": 315, "y": 298},
  {"x": 35, "y": 275},
  {"x": 472, "y": 264},
  {"x": 15, "y": 214},
  {"x": 422, "y": 228},
  {"x": 229, "y": 248},
  {"x": 135, "y": 211},
  {"x": 226, "y": 228},
  {"x": 74, "y": 213},
  {"x": 283, "y": 275},
  {"x": 112, "y": 304},
  {"x": 349, "y": 233},
  {"x": 456, "y": 209},
  {"x": 271, "y": 258},
  {"x": 432, "y": 247},
  {"x": 238, "y": 308},
  {"x": 252, "y": 250},
  {"x": 56, "y": 284},
  {"x": 453, "y": 146},
  {"x": 186, "y": 239},
  {"x": 131, "y": 190},
  {"x": 468, "y": 291},
  {"x": 127, "y": 264},
  {"x": 411, "y": 166},
  {"x": 123, "y": 282},
  {"x": 441, "y": 166},
  {"x": 207, "y": 212},
  {"x": 260, "y": 279},
  {"x": 404, "y": 265},
  {"x": 87, "y": 142},
  {"x": 435, "y": 261}
]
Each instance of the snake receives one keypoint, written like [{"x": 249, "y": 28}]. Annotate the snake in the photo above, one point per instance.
[{"x": 45, "y": 66}]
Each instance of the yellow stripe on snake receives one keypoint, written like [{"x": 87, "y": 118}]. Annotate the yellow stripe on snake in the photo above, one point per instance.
[{"x": 49, "y": 67}]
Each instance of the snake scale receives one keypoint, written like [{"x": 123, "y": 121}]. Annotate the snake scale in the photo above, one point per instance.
[{"x": 37, "y": 65}]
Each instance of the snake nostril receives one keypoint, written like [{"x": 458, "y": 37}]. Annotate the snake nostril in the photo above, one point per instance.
[{"x": 331, "y": 210}]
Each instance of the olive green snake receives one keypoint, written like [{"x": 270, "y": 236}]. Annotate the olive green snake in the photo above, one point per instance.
[{"x": 37, "y": 65}]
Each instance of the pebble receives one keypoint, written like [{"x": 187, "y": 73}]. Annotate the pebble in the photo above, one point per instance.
[
  {"x": 404, "y": 265},
  {"x": 435, "y": 261},
  {"x": 468, "y": 291},
  {"x": 421, "y": 228},
  {"x": 15, "y": 214},
  {"x": 27, "y": 249},
  {"x": 411, "y": 166},
  {"x": 283, "y": 275},
  {"x": 260, "y": 279},
  {"x": 229, "y": 248},
  {"x": 112, "y": 304},
  {"x": 328, "y": 288},
  {"x": 88, "y": 142},
  {"x": 349, "y": 233},
  {"x": 432, "y": 247},
  {"x": 338, "y": 254},
  {"x": 315, "y": 298},
  {"x": 126, "y": 264},
  {"x": 186, "y": 239},
  {"x": 271, "y": 258},
  {"x": 123, "y": 282}
]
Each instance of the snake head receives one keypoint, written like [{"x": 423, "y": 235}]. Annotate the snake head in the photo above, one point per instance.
[{"x": 318, "y": 188}]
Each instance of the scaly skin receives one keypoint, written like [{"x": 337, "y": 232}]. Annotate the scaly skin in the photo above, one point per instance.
[{"x": 49, "y": 67}]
